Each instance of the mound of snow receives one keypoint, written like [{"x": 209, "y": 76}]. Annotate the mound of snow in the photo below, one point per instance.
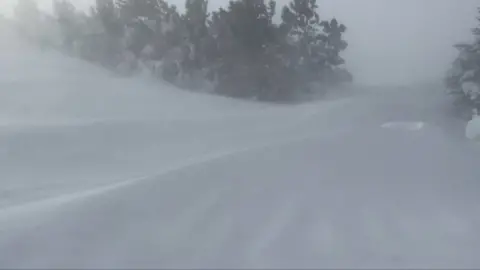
[
  {"x": 472, "y": 130},
  {"x": 412, "y": 126}
]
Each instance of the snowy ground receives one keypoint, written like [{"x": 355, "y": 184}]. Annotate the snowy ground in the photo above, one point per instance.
[{"x": 104, "y": 172}]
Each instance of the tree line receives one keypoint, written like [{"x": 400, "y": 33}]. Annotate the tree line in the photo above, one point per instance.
[
  {"x": 241, "y": 50},
  {"x": 463, "y": 78}
]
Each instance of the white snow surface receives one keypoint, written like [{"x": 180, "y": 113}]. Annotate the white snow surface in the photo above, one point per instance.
[
  {"x": 472, "y": 131},
  {"x": 409, "y": 126},
  {"x": 105, "y": 172}
]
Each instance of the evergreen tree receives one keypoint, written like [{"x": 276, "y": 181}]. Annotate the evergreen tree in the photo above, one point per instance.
[
  {"x": 314, "y": 45},
  {"x": 238, "y": 47},
  {"x": 107, "y": 13},
  {"x": 65, "y": 13},
  {"x": 306, "y": 41},
  {"x": 109, "y": 39},
  {"x": 195, "y": 21},
  {"x": 334, "y": 42},
  {"x": 244, "y": 47},
  {"x": 463, "y": 78}
]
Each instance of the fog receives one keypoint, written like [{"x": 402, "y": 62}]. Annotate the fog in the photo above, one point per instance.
[
  {"x": 104, "y": 171},
  {"x": 108, "y": 172},
  {"x": 390, "y": 41}
]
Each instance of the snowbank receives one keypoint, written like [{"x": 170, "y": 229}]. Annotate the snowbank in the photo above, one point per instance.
[
  {"x": 409, "y": 126},
  {"x": 472, "y": 130}
]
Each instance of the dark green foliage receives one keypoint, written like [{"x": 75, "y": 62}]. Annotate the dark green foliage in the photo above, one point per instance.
[
  {"x": 244, "y": 44},
  {"x": 65, "y": 13},
  {"x": 106, "y": 12},
  {"x": 195, "y": 22},
  {"x": 240, "y": 48},
  {"x": 463, "y": 79}
]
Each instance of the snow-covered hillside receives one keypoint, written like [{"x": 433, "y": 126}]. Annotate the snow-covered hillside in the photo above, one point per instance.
[{"x": 98, "y": 171}]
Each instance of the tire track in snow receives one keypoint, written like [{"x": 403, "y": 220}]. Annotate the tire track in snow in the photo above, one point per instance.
[
  {"x": 189, "y": 219},
  {"x": 274, "y": 228},
  {"x": 214, "y": 237}
]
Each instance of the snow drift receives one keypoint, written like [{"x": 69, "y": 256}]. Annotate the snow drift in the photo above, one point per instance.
[{"x": 472, "y": 130}]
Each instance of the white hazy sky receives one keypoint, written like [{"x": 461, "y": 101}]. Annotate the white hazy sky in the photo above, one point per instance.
[{"x": 391, "y": 41}]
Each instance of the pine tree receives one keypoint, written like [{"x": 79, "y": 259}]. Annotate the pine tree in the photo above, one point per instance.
[
  {"x": 156, "y": 24},
  {"x": 109, "y": 42},
  {"x": 251, "y": 25},
  {"x": 240, "y": 47},
  {"x": 244, "y": 45},
  {"x": 306, "y": 40},
  {"x": 314, "y": 45},
  {"x": 195, "y": 21},
  {"x": 335, "y": 43},
  {"x": 107, "y": 13},
  {"x": 65, "y": 13},
  {"x": 302, "y": 22},
  {"x": 463, "y": 78},
  {"x": 218, "y": 43}
]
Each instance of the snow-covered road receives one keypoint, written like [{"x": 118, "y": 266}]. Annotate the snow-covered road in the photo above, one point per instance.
[{"x": 103, "y": 172}]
